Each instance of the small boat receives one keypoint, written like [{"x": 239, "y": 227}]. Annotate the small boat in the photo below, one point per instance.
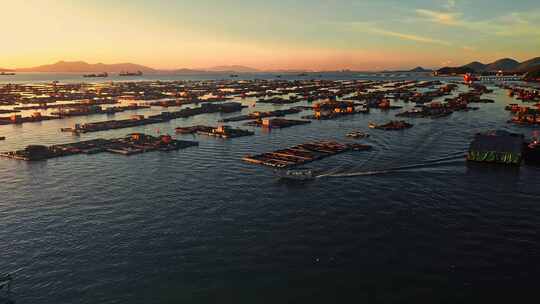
[
  {"x": 297, "y": 174},
  {"x": 357, "y": 134},
  {"x": 2, "y": 138},
  {"x": 7, "y": 74},
  {"x": 372, "y": 125}
]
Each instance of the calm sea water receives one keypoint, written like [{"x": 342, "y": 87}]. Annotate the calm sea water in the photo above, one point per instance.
[{"x": 407, "y": 222}]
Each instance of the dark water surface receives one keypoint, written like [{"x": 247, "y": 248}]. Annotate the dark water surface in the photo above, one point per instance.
[{"x": 407, "y": 222}]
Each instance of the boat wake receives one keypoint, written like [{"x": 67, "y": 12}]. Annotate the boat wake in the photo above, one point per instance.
[{"x": 452, "y": 159}]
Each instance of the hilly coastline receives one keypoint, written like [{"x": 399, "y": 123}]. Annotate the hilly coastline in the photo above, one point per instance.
[
  {"x": 232, "y": 68},
  {"x": 506, "y": 65},
  {"x": 84, "y": 67}
]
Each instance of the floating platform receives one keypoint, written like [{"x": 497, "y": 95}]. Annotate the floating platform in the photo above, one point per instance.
[
  {"x": 18, "y": 119},
  {"x": 139, "y": 120},
  {"x": 225, "y": 132},
  {"x": 497, "y": 147},
  {"x": 280, "y": 101},
  {"x": 302, "y": 154},
  {"x": 9, "y": 111},
  {"x": 132, "y": 144},
  {"x": 91, "y": 110},
  {"x": 333, "y": 109},
  {"x": 333, "y": 115},
  {"x": 526, "y": 116},
  {"x": 260, "y": 115},
  {"x": 47, "y": 106},
  {"x": 277, "y": 123}
]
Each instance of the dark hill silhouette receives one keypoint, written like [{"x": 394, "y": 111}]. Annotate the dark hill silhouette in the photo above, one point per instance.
[
  {"x": 506, "y": 65},
  {"x": 84, "y": 67}
]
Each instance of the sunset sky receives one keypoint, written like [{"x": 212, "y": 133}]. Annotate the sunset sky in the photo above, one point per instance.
[{"x": 292, "y": 34}]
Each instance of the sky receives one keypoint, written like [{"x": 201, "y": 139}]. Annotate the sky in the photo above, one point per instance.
[{"x": 277, "y": 34}]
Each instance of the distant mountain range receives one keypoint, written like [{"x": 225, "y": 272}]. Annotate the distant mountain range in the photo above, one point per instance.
[
  {"x": 415, "y": 70},
  {"x": 507, "y": 65},
  {"x": 83, "y": 67},
  {"x": 529, "y": 65},
  {"x": 232, "y": 68},
  {"x": 420, "y": 70},
  {"x": 183, "y": 71}
]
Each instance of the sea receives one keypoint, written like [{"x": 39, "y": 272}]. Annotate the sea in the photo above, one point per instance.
[{"x": 408, "y": 222}]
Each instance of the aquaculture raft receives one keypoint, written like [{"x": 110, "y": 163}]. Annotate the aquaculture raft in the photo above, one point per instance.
[
  {"x": 497, "y": 147},
  {"x": 132, "y": 144},
  {"x": 302, "y": 154},
  {"x": 276, "y": 123},
  {"x": 221, "y": 131}
]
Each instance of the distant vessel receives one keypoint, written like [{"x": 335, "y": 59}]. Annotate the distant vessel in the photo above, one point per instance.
[
  {"x": 298, "y": 174},
  {"x": 234, "y": 75},
  {"x": 7, "y": 74},
  {"x": 96, "y": 75},
  {"x": 302, "y": 74},
  {"x": 138, "y": 73}
]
